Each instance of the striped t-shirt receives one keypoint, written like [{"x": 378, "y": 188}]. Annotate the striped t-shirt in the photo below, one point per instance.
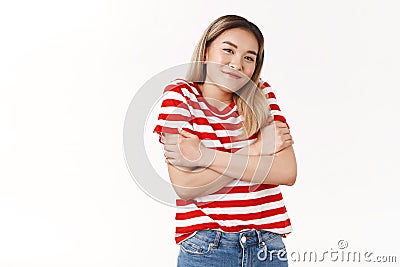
[{"x": 240, "y": 205}]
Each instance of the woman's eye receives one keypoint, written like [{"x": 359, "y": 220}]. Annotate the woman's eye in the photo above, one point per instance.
[
  {"x": 249, "y": 58},
  {"x": 229, "y": 51}
]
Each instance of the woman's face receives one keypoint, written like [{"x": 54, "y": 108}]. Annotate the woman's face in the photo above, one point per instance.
[{"x": 235, "y": 52}]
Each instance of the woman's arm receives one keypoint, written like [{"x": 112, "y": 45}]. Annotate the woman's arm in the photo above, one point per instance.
[
  {"x": 271, "y": 159},
  {"x": 269, "y": 168},
  {"x": 280, "y": 168},
  {"x": 192, "y": 184}
]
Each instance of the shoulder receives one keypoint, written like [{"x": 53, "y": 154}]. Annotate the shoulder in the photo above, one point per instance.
[
  {"x": 266, "y": 88},
  {"x": 273, "y": 104},
  {"x": 182, "y": 87},
  {"x": 262, "y": 84}
]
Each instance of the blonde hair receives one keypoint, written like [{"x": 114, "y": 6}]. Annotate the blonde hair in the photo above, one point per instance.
[{"x": 250, "y": 101}]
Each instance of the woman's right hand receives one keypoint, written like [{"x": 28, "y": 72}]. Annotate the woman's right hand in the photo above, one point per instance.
[{"x": 272, "y": 138}]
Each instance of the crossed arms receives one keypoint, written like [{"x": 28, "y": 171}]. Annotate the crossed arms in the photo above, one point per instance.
[{"x": 195, "y": 170}]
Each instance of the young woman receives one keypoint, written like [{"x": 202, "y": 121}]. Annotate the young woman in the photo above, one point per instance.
[{"x": 228, "y": 148}]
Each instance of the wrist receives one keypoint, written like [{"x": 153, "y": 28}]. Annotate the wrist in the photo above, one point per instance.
[
  {"x": 254, "y": 149},
  {"x": 207, "y": 157}
]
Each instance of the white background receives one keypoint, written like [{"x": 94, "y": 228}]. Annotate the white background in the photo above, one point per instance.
[{"x": 69, "y": 69}]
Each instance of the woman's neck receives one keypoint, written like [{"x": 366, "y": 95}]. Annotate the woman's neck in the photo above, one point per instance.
[{"x": 215, "y": 96}]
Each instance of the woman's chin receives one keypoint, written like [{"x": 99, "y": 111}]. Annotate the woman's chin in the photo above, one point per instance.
[{"x": 227, "y": 83}]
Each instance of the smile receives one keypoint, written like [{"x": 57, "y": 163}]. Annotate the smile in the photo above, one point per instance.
[{"x": 231, "y": 74}]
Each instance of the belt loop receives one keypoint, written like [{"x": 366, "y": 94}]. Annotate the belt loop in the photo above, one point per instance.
[
  {"x": 259, "y": 237},
  {"x": 217, "y": 239}
]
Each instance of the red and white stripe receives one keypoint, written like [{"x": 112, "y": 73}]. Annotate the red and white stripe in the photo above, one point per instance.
[{"x": 240, "y": 205}]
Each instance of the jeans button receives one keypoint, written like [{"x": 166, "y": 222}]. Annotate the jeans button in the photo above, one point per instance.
[{"x": 243, "y": 239}]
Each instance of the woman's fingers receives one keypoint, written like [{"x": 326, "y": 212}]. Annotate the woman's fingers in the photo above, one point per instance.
[
  {"x": 171, "y": 141},
  {"x": 280, "y": 124},
  {"x": 187, "y": 134},
  {"x": 284, "y": 141},
  {"x": 283, "y": 131},
  {"x": 278, "y": 133},
  {"x": 171, "y": 148},
  {"x": 175, "y": 139},
  {"x": 286, "y": 137}
]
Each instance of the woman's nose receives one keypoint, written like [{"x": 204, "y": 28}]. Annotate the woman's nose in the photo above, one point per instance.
[{"x": 235, "y": 64}]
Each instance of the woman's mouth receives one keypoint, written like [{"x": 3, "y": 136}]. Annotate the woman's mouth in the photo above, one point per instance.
[{"x": 231, "y": 74}]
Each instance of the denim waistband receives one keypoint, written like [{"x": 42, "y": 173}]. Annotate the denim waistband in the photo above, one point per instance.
[{"x": 249, "y": 237}]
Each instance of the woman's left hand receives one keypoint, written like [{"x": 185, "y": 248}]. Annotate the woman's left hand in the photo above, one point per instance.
[
  {"x": 187, "y": 151},
  {"x": 272, "y": 138}
]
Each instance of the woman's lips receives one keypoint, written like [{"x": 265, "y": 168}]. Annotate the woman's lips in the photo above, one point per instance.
[{"x": 232, "y": 74}]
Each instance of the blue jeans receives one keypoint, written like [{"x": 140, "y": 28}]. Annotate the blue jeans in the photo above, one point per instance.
[{"x": 243, "y": 249}]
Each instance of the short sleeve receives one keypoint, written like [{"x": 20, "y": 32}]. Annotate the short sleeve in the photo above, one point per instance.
[
  {"x": 273, "y": 104},
  {"x": 174, "y": 113}
]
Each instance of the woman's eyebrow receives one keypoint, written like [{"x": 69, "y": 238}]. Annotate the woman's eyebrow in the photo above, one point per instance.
[{"x": 235, "y": 46}]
